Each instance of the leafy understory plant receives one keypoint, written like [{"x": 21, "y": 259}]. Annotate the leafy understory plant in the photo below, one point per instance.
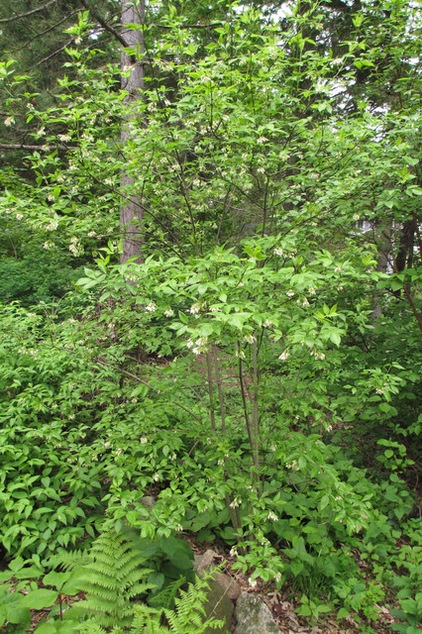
[
  {"x": 188, "y": 617},
  {"x": 410, "y": 615},
  {"x": 115, "y": 576}
]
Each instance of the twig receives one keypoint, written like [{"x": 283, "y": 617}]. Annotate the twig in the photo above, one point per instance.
[
  {"x": 28, "y": 13},
  {"x": 138, "y": 378}
]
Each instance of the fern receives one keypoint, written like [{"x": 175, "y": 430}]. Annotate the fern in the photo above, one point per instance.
[
  {"x": 69, "y": 560},
  {"x": 115, "y": 576},
  {"x": 90, "y": 627},
  {"x": 189, "y": 617},
  {"x": 166, "y": 597}
]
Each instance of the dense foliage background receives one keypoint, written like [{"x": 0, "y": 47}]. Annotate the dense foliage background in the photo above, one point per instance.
[{"x": 247, "y": 349}]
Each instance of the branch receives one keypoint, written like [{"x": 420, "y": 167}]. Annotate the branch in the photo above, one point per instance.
[
  {"x": 138, "y": 378},
  {"x": 59, "y": 50},
  {"x": 106, "y": 26},
  {"x": 209, "y": 25},
  {"x": 25, "y": 15},
  {"x": 48, "y": 147},
  {"x": 51, "y": 28}
]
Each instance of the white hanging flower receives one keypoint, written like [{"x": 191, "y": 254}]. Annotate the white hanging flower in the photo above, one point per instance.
[
  {"x": 75, "y": 246},
  {"x": 319, "y": 356},
  {"x": 201, "y": 345},
  {"x": 169, "y": 312},
  {"x": 284, "y": 355},
  {"x": 249, "y": 338},
  {"x": 151, "y": 307}
]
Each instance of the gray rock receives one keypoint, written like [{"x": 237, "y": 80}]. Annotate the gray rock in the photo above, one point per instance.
[
  {"x": 223, "y": 591},
  {"x": 205, "y": 562},
  {"x": 148, "y": 501},
  {"x": 219, "y": 606},
  {"x": 253, "y": 616}
]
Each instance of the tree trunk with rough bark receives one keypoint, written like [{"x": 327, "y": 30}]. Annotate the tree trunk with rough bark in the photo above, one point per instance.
[{"x": 131, "y": 211}]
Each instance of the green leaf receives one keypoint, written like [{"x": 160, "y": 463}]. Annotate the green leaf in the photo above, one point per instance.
[
  {"x": 40, "y": 599},
  {"x": 56, "y": 579},
  {"x": 335, "y": 338}
]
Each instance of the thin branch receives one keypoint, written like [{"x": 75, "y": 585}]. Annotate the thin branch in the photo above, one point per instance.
[
  {"x": 106, "y": 26},
  {"x": 138, "y": 378},
  {"x": 51, "y": 28},
  {"x": 211, "y": 391},
  {"x": 219, "y": 390},
  {"x": 243, "y": 392},
  {"x": 48, "y": 147},
  {"x": 210, "y": 25},
  {"x": 28, "y": 13},
  {"x": 59, "y": 50}
]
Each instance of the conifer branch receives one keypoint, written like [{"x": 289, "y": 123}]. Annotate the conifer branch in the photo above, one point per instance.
[{"x": 18, "y": 16}]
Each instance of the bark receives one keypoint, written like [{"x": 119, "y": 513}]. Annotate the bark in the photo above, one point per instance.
[
  {"x": 131, "y": 211},
  {"x": 404, "y": 257}
]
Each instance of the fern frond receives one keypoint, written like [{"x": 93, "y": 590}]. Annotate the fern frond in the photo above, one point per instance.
[
  {"x": 115, "y": 575},
  {"x": 69, "y": 560},
  {"x": 147, "y": 621},
  {"x": 91, "y": 627},
  {"x": 189, "y": 616},
  {"x": 166, "y": 597}
]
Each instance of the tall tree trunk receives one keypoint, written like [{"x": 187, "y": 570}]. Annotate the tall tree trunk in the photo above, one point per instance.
[{"x": 131, "y": 211}]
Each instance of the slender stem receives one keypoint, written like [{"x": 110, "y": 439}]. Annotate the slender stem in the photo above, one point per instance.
[
  {"x": 417, "y": 315},
  {"x": 220, "y": 392},
  {"x": 243, "y": 392},
  {"x": 254, "y": 426},
  {"x": 211, "y": 390}
]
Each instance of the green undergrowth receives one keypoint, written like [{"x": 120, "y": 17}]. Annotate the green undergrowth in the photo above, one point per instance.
[
  {"x": 236, "y": 436},
  {"x": 126, "y": 584}
]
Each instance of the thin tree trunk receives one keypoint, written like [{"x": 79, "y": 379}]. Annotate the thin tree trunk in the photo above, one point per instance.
[{"x": 131, "y": 211}]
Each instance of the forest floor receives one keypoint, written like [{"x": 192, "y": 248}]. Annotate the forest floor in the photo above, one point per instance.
[{"x": 283, "y": 604}]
